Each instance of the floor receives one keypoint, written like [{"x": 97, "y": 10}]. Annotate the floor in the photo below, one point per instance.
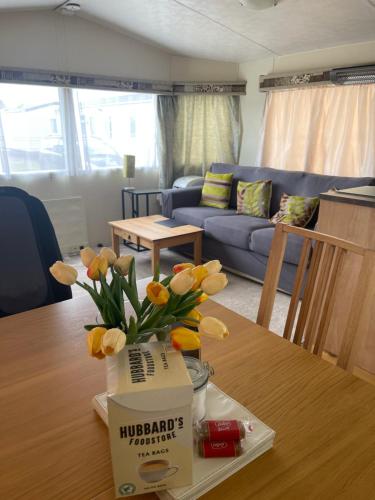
[{"x": 241, "y": 295}]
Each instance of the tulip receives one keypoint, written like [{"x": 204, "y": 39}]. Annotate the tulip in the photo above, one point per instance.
[
  {"x": 194, "y": 314},
  {"x": 122, "y": 264},
  {"x": 202, "y": 298},
  {"x": 97, "y": 267},
  {"x": 182, "y": 282},
  {"x": 214, "y": 283},
  {"x": 199, "y": 273},
  {"x": 213, "y": 327},
  {"x": 181, "y": 267},
  {"x": 113, "y": 341},
  {"x": 213, "y": 266},
  {"x": 184, "y": 339},
  {"x": 108, "y": 254},
  {"x": 157, "y": 293},
  {"x": 87, "y": 255},
  {"x": 94, "y": 342},
  {"x": 63, "y": 273}
]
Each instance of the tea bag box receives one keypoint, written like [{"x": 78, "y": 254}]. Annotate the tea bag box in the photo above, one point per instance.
[{"x": 149, "y": 414}]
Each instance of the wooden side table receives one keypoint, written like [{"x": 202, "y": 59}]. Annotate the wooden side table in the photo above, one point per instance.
[{"x": 146, "y": 231}]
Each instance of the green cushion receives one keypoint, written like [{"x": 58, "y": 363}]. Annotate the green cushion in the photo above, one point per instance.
[
  {"x": 254, "y": 198},
  {"x": 295, "y": 210},
  {"x": 216, "y": 190}
]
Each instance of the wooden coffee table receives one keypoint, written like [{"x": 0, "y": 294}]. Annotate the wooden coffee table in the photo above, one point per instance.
[{"x": 146, "y": 232}]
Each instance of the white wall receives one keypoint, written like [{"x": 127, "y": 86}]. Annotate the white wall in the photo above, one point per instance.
[
  {"x": 252, "y": 104},
  {"x": 48, "y": 40}
]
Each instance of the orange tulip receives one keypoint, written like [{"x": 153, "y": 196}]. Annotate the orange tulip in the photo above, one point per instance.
[
  {"x": 199, "y": 273},
  {"x": 194, "y": 314},
  {"x": 184, "y": 339},
  {"x": 94, "y": 342},
  {"x": 181, "y": 267},
  {"x": 202, "y": 298},
  {"x": 157, "y": 293},
  {"x": 98, "y": 266},
  {"x": 113, "y": 341}
]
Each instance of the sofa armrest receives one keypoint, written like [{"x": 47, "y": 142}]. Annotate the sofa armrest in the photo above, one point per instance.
[{"x": 176, "y": 198}]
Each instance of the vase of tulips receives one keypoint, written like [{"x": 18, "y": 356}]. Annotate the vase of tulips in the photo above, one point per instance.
[{"x": 169, "y": 312}]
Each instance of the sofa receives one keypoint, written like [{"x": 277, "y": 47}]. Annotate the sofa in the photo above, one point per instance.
[{"x": 242, "y": 242}]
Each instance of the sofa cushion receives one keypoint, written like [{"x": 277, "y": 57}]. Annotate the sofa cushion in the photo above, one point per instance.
[
  {"x": 261, "y": 240},
  {"x": 216, "y": 190},
  {"x": 234, "y": 230},
  {"x": 295, "y": 183},
  {"x": 197, "y": 215}
]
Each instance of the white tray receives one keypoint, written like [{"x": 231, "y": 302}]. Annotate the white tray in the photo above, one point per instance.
[{"x": 208, "y": 473}]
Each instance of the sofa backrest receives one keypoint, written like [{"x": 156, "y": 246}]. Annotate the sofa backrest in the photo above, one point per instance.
[{"x": 287, "y": 181}]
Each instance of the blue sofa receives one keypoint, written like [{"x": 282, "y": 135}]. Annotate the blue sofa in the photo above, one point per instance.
[{"x": 242, "y": 242}]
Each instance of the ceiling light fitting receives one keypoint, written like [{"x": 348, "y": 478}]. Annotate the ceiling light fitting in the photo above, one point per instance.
[
  {"x": 69, "y": 8},
  {"x": 258, "y": 4}
]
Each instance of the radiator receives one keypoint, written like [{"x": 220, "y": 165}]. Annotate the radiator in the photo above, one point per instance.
[{"x": 69, "y": 220}]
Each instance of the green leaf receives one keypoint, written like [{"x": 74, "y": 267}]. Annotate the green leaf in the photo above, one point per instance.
[
  {"x": 91, "y": 327},
  {"x": 132, "y": 332}
]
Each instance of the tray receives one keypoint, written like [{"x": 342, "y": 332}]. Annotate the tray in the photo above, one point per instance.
[{"x": 208, "y": 473}]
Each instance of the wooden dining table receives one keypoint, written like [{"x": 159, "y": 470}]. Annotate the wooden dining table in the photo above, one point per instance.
[{"x": 54, "y": 446}]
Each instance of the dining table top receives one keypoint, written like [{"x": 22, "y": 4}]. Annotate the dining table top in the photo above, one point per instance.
[{"x": 54, "y": 446}]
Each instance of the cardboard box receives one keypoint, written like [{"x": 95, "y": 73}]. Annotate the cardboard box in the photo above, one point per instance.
[{"x": 149, "y": 413}]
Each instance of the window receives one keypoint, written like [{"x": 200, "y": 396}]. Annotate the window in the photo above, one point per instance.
[
  {"x": 46, "y": 129},
  {"x": 31, "y": 129}
]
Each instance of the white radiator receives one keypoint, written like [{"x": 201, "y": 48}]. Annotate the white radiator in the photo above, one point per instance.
[{"x": 69, "y": 220}]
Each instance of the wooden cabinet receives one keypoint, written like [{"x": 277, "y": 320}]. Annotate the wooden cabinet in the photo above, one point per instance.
[{"x": 351, "y": 218}]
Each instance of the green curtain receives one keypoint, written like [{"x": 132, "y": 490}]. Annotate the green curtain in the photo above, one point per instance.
[{"x": 195, "y": 131}]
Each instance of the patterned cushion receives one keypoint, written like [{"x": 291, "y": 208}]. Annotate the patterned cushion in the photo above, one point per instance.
[
  {"x": 295, "y": 210},
  {"x": 216, "y": 190},
  {"x": 254, "y": 198}
]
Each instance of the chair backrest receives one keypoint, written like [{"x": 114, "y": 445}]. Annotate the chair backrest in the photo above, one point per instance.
[
  {"x": 28, "y": 248},
  {"x": 320, "y": 264}
]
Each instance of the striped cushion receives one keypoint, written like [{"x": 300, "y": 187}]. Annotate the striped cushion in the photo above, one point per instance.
[{"x": 216, "y": 190}]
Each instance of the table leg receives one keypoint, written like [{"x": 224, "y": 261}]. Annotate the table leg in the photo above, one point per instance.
[
  {"x": 155, "y": 257},
  {"x": 137, "y": 205},
  {"x": 132, "y": 197},
  {"x": 147, "y": 206},
  {"x": 123, "y": 204},
  {"x": 198, "y": 249},
  {"x": 115, "y": 243}
]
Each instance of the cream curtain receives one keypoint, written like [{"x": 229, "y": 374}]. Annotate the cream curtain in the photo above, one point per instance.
[
  {"x": 195, "y": 131},
  {"x": 326, "y": 130}
]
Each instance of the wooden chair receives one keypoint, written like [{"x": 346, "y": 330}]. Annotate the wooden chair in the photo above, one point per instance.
[{"x": 319, "y": 266}]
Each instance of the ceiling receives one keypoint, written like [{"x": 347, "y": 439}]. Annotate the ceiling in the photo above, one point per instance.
[{"x": 224, "y": 30}]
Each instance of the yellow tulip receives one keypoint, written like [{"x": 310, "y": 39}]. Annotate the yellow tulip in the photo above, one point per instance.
[
  {"x": 202, "y": 298},
  {"x": 108, "y": 254},
  {"x": 182, "y": 282},
  {"x": 213, "y": 327},
  {"x": 199, "y": 273},
  {"x": 97, "y": 267},
  {"x": 184, "y": 339},
  {"x": 213, "y": 266},
  {"x": 181, "y": 267},
  {"x": 94, "y": 342},
  {"x": 87, "y": 255},
  {"x": 63, "y": 273},
  {"x": 157, "y": 293},
  {"x": 113, "y": 341},
  {"x": 214, "y": 283},
  {"x": 194, "y": 314},
  {"x": 122, "y": 264}
]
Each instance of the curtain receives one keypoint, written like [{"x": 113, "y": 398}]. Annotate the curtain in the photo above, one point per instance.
[
  {"x": 195, "y": 131},
  {"x": 326, "y": 130}
]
